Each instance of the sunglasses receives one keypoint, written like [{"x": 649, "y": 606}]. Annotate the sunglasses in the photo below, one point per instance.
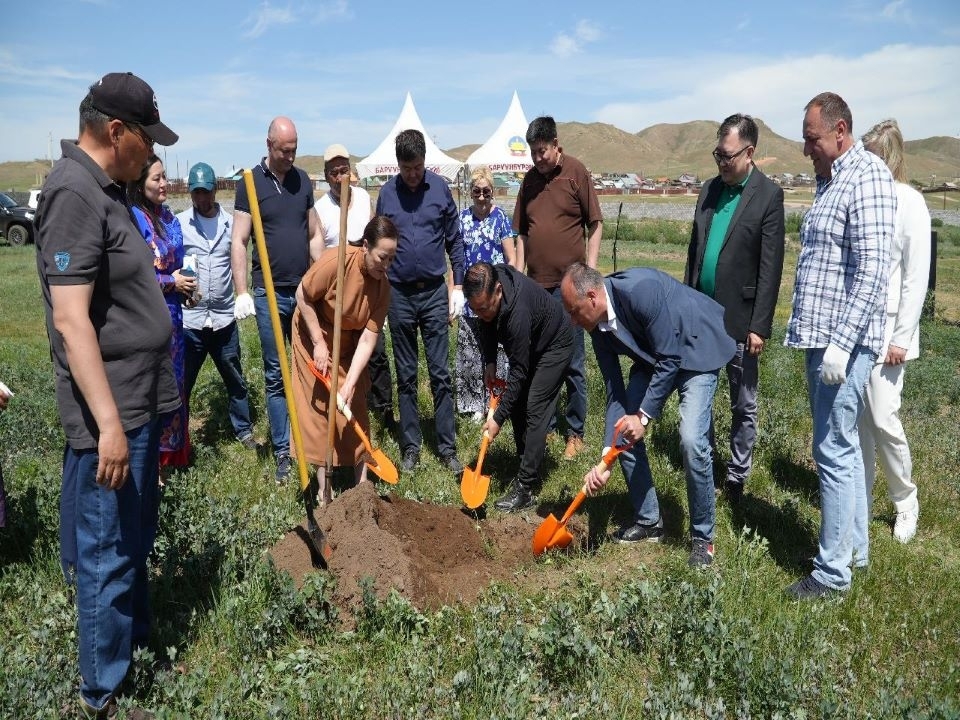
[
  {"x": 138, "y": 131},
  {"x": 482, "y": 192}
]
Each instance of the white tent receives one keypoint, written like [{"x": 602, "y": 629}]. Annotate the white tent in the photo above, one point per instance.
[
  {"x": 506, "y": 150},
  {"x": 383, "y": 160}
]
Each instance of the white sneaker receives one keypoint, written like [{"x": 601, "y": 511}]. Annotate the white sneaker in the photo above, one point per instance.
[{"x": 906, "y": 525}]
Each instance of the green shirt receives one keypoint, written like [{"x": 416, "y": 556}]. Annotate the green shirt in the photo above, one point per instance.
[{"x": 726, "y": 207}]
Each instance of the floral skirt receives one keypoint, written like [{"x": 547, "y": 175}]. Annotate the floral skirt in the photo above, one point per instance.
[{"x": 472, "y": 396}]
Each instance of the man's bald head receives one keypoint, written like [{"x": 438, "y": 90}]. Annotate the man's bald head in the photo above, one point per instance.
[{"x": 281, "y": 145}]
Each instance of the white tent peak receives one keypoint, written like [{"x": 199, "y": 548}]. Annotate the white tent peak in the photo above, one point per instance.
[
  {"x": 506, "y": 150},
  {"x": 383, "y": 160}
]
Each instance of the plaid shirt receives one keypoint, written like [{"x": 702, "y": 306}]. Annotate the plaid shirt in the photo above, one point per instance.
[{"x": 841, "y": 287}]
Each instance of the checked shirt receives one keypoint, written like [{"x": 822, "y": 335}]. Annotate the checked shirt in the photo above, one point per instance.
[{"x": 841, "y": 286}]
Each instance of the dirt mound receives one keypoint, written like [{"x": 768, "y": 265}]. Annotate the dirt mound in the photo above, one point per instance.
[{"x": 431, "y": 554}]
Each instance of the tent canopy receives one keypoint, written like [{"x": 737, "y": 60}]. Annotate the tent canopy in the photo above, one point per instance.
[
  {"x": 383, "y": 160},
  {"x": 506, "y": 150}
]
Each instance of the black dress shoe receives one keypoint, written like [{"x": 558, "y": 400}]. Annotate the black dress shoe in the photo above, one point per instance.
[
  {"x": 453, "y": 464},
  {"x": 519, "y": 498},
  {"x": 639, "y": 533},
  {"x": 734, "y": 491},
  {"x": 411, "y": 458}
]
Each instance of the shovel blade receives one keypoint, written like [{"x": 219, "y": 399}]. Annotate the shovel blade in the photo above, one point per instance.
[
  {"x": 561, "y": 538},
  {"x": 380, "y": 464},
  {"x": 474, "y": 488},
  {"x": 544, "y": 534}
]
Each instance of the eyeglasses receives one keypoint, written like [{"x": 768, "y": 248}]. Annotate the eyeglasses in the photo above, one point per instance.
[
  {"x": 721, "y": 158},
  {"x": 482, "y": 192},
  {"x": 339, "y": 171},
  {"x": 138, "y": 131}
]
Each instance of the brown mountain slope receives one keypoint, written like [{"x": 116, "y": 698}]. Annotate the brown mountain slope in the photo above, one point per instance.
[{"x": 664, "y": 150}]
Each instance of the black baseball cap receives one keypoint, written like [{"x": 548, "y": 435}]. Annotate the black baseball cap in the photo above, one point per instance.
[{"x": 126, "y": 97}]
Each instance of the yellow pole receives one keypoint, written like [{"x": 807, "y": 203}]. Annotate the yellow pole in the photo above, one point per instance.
[{"x": 277, "y": 329}]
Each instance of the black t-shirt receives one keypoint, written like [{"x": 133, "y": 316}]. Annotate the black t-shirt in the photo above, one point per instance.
[
  {"x": 284, "y": 209},
  {"x": 85, "y": 235}
]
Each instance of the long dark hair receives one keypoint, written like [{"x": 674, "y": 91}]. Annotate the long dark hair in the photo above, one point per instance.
[
  {"x": 378, "y": 228},
  {"x": 137, "y": 198}
]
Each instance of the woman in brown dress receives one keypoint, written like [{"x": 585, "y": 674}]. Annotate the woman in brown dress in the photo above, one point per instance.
[{"x": 366, "y": 296}]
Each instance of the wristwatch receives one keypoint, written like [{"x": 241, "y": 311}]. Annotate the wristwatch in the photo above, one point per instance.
[{"x": 644, "y": 419}]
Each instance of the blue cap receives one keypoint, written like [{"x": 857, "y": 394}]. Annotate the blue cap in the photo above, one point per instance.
[{"x": 201, "y": 177}]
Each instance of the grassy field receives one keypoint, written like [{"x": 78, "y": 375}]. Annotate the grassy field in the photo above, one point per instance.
[{"x": 610, "y": 633}]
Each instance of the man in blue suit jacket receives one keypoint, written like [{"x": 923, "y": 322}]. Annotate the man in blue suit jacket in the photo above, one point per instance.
[{"x": 676, "y": 339}]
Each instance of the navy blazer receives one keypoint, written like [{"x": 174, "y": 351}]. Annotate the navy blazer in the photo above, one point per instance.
[
  {"x": 674, "y": 327},
  {"x": 751, "y": 256}
]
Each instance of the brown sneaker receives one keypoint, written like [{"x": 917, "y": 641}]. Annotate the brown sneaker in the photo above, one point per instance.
[{"x": 574, "y": 447}]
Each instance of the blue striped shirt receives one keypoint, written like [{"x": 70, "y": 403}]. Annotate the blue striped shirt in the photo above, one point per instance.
[{"x": 841, "y": 286}]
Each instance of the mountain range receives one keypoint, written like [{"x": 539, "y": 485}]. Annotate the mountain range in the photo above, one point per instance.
[{"x": 664, "y": 150}]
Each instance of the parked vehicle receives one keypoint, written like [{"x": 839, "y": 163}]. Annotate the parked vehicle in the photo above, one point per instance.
[{"x": 16, "y": 221}]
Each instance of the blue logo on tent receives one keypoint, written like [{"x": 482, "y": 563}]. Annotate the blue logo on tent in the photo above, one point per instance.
[
  {"x": 62, "y": 259},
  {"x": 517, "y": 146}
]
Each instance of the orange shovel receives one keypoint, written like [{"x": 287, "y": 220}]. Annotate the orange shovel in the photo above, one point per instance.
[
  {"x": 473, "y": 485},
  {"x": 553, "y": 533},
  {"x": 378, "y": 462}
]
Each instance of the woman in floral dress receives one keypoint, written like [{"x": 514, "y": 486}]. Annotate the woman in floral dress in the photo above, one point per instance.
[{"x": 487, "y": 237}]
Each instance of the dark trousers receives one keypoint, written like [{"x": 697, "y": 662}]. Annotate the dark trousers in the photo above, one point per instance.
[
  {"x": 575, "y": 379},
  {"x": 223, "y": 346},
  {"x": 423, "y": 307},
  {"x": 537, "y": 406},
  {"x": 380, "y": 397}
]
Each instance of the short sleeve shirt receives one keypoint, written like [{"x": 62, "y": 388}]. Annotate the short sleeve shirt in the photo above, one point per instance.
[
  {"x": 552, "y": 211},
  {"x": 284, "y": 208},
  {"x": 86, "y": 236}
]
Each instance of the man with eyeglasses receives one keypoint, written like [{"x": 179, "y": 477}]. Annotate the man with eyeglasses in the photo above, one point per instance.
[
  {"x": 557, "y": 209},
  {"x": 736, "y": 257},
  {"x": 838, "y": 316},
  {"x": 109, "y": 333},
  {"x": 291, "y": 232},
  {"x": 336, "y": 165}
]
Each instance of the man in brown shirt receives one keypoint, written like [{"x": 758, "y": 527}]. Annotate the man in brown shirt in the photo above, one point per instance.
[{"x": 556, "y": 205}]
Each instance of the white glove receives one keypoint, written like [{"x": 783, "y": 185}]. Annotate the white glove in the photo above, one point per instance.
[
  {"x": 456, "y": 303},
  {"x": 243, "y": 307},
  {"x": 833, "y": 371}
]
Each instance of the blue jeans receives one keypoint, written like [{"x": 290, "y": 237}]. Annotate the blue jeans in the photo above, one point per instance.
[
  {"x": 836, "y": 449},
  {"x": 106, "y": 537},
  {"x": 223, "y": 346},
  {"x": 696, "y": 391},
  {"x": 575, "y": 380},
  {"x": 425, "y": 308},
  {"x": 272, "y": 375}
]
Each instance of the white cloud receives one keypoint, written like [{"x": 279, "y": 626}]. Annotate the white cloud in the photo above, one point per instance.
[
  {"x": 265, "y": 17},
  {"x": 588, "y": 32},
  {"x": 336, "y": 10},
  {"x": 566, "y": 44},
  {"x": 916, "y": 85},
  {"x": 896, "y": 10}
]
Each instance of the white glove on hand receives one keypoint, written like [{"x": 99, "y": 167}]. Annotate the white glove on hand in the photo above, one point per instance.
[
  {"x": 456, "y": 303},
  {"x": 833, "y": 371},
  {"x": 243, "y": 307}
]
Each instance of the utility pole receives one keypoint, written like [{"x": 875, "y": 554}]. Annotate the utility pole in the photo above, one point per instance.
[{"x": 50, "y": 148}]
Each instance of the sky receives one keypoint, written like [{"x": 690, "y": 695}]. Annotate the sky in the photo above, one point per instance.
[{"x": 341, "y": 69}]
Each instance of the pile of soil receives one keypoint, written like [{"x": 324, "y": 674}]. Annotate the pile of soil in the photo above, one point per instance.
[{"x": 433, "y": 555}]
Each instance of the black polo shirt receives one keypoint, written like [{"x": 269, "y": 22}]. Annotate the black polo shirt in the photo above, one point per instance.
[
  {"x": 85, "y": 235},
  {"x": 284, "y": 208}
]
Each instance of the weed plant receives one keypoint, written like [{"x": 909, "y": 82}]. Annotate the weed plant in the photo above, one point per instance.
[{"x": 611, "y": 632}]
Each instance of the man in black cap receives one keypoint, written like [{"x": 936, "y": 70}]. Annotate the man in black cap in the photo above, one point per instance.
[{"x": 109, "y": 333}]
